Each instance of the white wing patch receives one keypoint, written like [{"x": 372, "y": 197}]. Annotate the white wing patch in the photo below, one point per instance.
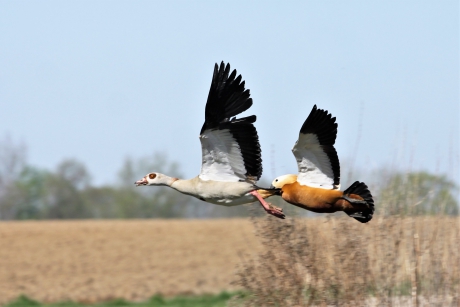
[
  {"x": 315, "y": 169},
  {"x": 222, "y": 159}
]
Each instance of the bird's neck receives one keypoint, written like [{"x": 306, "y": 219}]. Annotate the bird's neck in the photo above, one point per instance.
[
  {"x": 169, "y": 181},
  {"x": 186, "y": 186}
]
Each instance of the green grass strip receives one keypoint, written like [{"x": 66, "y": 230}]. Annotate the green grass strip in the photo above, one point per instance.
[{"x": 219, "y": 300}]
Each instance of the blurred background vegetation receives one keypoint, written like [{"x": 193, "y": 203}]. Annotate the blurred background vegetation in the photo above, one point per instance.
[{"x": 28, "y": 192}]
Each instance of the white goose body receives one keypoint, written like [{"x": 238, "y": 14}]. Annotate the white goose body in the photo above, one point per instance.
[
  {"x": 231, "y": 155},
  {"x": 216, "y": 192}
]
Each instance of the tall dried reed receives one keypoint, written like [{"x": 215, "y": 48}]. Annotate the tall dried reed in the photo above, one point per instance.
[{"x": 394, "y": 260}]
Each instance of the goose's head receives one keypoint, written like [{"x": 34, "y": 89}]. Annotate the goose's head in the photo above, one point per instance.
[
  {"x": 280, "y": 181},
  {"x": 154, "y": 179}
]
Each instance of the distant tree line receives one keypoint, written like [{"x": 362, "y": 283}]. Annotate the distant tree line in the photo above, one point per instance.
[{"x": 28, "y": 192}]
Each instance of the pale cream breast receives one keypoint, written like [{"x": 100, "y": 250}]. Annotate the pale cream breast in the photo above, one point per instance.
[{"x": 217, "y": 192}]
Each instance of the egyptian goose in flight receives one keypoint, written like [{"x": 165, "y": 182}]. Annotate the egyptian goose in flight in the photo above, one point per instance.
[
  {"x": 231, "y": 155},
  {"x": 316, "y": 187}
]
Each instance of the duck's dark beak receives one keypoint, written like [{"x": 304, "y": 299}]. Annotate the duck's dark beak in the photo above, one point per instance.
[
  {"x": 143, "y": 181},
  {"x": 271, "y": 188}
]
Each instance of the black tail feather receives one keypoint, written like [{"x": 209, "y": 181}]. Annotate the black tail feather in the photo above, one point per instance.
[{"x": 361, "y": 189}]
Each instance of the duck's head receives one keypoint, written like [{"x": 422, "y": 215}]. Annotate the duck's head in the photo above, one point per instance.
[
  {"x": 154, "y": 179},
  {"x": 280, "y": 181}
]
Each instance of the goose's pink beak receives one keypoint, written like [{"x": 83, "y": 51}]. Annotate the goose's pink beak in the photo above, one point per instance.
[{"x": 143, "y": 181}]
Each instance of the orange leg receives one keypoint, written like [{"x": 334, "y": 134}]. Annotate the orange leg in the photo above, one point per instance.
[{"x": 268, "y": 208}]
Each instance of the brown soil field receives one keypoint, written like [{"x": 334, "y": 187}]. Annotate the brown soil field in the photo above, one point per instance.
[{"x": 135, "y": 259}]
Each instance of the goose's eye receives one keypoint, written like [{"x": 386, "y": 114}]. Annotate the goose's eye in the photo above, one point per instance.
[
  {"x": 152, "y": 176},
  {"x": 276, "y": 180}
]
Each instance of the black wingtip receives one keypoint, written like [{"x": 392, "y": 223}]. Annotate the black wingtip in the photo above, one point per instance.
[
  {"x": 227, "y": 95},
  {"x": 321, "y": 123}
]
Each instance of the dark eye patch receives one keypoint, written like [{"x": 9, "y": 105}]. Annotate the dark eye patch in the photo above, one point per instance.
[{"x": 152, "y": 176}]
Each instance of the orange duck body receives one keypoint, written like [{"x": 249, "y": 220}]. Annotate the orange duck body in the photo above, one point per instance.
[
  {"x": 316, "y": 186},
  {"x": 319, "y": 200}
]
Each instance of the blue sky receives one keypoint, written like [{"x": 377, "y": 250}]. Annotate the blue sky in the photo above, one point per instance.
[{"x": 102, "y": 80}]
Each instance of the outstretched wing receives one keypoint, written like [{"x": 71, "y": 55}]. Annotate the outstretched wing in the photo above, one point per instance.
[
  {"x": 314, "y": 151},
  {"x": 230, "y": 146}
]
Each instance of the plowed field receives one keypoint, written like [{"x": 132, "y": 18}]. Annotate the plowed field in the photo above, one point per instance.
[{"x": 99, "y": 260}]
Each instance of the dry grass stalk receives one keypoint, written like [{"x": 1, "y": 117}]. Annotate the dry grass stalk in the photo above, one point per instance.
[{"x": 338, "y": 262}]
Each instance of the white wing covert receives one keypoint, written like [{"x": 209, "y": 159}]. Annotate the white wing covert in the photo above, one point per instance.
[{"x": 222, "y": 159}]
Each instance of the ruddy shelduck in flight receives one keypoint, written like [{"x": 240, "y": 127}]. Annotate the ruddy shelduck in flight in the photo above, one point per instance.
[{"x": 316, "y": 187}]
